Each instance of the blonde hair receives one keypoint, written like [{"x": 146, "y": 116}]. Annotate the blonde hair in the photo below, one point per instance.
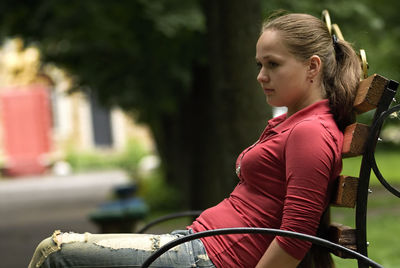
[{"x": 305, "y": 36}]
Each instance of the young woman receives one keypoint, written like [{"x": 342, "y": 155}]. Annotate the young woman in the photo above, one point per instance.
[{"x": 285, "y": 177}]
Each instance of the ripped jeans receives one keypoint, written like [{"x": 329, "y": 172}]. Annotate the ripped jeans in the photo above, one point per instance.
[{"x": 117, "y": 250}]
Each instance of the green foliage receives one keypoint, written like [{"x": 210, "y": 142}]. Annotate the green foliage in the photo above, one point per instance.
[
  {"x": 84, "y": 161},
  {"x": 136, "y": 54},
  {"x": 158, "y": 194},
  {"x": 127, "y": 160}
]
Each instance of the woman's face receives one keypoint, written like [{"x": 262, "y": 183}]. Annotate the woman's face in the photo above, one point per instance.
[{"x": 284, "y": 79}]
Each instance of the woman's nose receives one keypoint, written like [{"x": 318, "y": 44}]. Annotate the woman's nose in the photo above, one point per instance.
[{"x": 262, "y": 77}]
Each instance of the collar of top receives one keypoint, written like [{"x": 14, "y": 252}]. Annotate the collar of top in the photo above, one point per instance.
[{"x": 281, "y": 123}]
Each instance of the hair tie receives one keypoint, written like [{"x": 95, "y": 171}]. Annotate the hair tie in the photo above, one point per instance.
[{"x": 335, "y": 40}]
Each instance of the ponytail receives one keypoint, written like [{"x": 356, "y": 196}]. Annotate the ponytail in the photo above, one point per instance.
[{"x": 340, "y": 81}]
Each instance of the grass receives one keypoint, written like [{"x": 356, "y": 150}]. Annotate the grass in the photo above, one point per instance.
[
  {"x": 388, "y": 162},
  {"x": 383, "y": 228}
]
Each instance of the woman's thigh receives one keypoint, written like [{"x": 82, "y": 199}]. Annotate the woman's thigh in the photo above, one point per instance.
[{"x": 114, "y": 250}]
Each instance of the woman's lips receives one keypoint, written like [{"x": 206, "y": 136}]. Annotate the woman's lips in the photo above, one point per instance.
[{"x": 268, "y": 91}]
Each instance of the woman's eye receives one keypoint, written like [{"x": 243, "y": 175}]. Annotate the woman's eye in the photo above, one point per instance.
[
  {"x": 269, "y": 64},
  {"x": 272, "y": 64}
]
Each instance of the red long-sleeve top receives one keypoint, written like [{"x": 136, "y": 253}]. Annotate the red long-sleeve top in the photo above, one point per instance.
[{"x": 285, "y": 180}]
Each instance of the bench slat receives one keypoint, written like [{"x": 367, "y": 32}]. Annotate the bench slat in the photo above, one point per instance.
[
  {"x": 355, "y": 137},
  {"x": 369, "y": 93},
  {"x": 346, "y": 192},
  {"x": 344, "y": 236}
]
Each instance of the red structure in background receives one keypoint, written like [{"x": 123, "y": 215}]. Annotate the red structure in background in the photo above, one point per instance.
[{"x": 26, "y": 124}]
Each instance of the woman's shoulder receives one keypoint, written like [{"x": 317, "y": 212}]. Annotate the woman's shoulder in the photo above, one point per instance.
[{"x": 316, "y": 127}]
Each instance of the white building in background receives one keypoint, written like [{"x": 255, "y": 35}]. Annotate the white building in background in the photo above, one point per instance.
[{"x": 80, "y": 121}]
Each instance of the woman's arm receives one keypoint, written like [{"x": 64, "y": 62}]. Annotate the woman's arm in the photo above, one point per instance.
[
  {"x": 310, "y": 158},
  {"x": 275, "y": 256}
]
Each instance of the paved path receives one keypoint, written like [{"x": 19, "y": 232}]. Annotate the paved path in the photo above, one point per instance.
[{"x": 31, "y": 208}]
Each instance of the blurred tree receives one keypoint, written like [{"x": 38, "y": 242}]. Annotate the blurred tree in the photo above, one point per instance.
[
  {"x": 236, "y": 110},
  {"x": 185, "y": 68}
]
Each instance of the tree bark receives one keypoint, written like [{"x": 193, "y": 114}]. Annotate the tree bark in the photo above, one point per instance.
[
  {"x": 225, "y": 112},
  {"x": 231, "y": 109}
]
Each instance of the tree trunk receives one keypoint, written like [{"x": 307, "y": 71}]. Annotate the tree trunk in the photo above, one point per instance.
[
  {"x": 235, "y": 110},
  {"x": 226, "y": 111}
]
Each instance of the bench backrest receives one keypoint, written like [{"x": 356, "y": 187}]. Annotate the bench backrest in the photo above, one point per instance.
[{"x": 375, "y": 92}]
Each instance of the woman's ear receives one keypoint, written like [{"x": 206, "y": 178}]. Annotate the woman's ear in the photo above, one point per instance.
[{"x": 314, "y": 67}]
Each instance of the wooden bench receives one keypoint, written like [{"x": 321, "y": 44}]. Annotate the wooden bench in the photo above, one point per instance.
[
  {"x": 355, "y": 142},
  {"x": 374, "y": 92}
]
